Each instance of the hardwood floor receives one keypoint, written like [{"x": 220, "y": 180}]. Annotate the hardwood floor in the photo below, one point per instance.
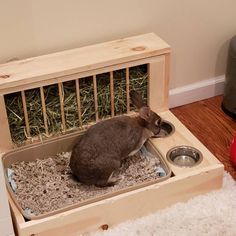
[{"x": 211, "y": 126}]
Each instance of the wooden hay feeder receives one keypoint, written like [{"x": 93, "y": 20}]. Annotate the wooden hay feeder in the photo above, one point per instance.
[{"x": 18, "y": 79}]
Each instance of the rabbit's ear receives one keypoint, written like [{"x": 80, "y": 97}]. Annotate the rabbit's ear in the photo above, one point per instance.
[
  {"x": 136, "y": 99},
  {"x": 145, "y": 112}
]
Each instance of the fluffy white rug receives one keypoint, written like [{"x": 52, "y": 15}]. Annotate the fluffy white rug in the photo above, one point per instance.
[{"x": 212, "y": 214}]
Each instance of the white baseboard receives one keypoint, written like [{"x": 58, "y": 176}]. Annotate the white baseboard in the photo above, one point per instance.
[{"x": 197, "y": 91}]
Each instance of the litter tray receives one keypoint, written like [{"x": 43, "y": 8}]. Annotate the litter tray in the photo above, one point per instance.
[{"x": 65, "y": 144}]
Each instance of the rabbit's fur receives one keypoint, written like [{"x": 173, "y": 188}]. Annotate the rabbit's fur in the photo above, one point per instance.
[{"x": 99, "y": 152}]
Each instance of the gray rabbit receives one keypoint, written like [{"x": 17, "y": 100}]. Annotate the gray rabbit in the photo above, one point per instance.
[{"x": 99, "y": 152}]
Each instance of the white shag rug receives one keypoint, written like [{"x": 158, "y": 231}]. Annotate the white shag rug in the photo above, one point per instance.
[{"x": 211, "y": 214}]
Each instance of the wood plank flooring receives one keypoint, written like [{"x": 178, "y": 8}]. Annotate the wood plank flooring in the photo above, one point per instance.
[{"x": 211, "y": 126}]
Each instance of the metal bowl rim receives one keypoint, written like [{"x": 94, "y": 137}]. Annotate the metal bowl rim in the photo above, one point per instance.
[
  {"x": 172, "y": 131},
  {"x": 185, "y": 147}
]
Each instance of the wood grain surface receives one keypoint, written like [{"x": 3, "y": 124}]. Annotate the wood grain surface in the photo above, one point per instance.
[
  {"x": 81, "y": 59},
  {"x": 206, "y": 120}
]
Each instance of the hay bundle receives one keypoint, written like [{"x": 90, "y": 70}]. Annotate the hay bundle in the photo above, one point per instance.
[{"x": 138, "y": 79}]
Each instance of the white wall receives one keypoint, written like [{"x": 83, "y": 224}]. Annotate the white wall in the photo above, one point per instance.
[{"x": 198, "y": 30}]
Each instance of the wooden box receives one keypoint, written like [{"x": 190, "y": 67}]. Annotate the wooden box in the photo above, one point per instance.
[{"x": 58, "y": 68}]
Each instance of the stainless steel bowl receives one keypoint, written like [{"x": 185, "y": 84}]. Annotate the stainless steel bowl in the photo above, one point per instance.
[
  {"x": 166, "y": 130},
  {"x": 184, "y": 156}
]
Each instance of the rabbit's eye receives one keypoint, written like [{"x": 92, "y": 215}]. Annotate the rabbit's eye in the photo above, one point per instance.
[{"x": 158, "y": 122}]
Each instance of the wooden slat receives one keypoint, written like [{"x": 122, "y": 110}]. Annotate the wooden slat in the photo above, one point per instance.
[
  {"x": 36, "y": 84},
  {"x": 158, "y": 90},
  {"x": 127, "y": 89},
  {"x": 95, "y": 96},
  {"x": 166, "y": 81},
  {"x": 5, "y": 135},
  {"x": 82, "y": 59},
  {"x": 16, "y": 215},
  {"x": 78, "y": 101},
  {"x": 44, "y": 110},
  {"x": 61, "y": 97},
  {"x": 112, "y": 94},
  {"x": 27, "y": 126}
]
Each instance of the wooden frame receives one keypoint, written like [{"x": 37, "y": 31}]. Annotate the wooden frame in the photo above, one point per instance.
[
  {"x": 5, "y": 134},
  {"x": 90, "y": 61}
]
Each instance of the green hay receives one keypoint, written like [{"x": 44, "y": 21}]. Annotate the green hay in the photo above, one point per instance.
[
  {"x": 53, "y": 111},
  {"x": 120, "y": 98},
  {"x": 103, "y": 92},
  {"x": 138, "y": 81},
  {"x": 70, "y": 105},
  {"x": 15, "y": 117},
  {"x": 35, "y": 113},
  {"x": 87, "y": 100}
]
